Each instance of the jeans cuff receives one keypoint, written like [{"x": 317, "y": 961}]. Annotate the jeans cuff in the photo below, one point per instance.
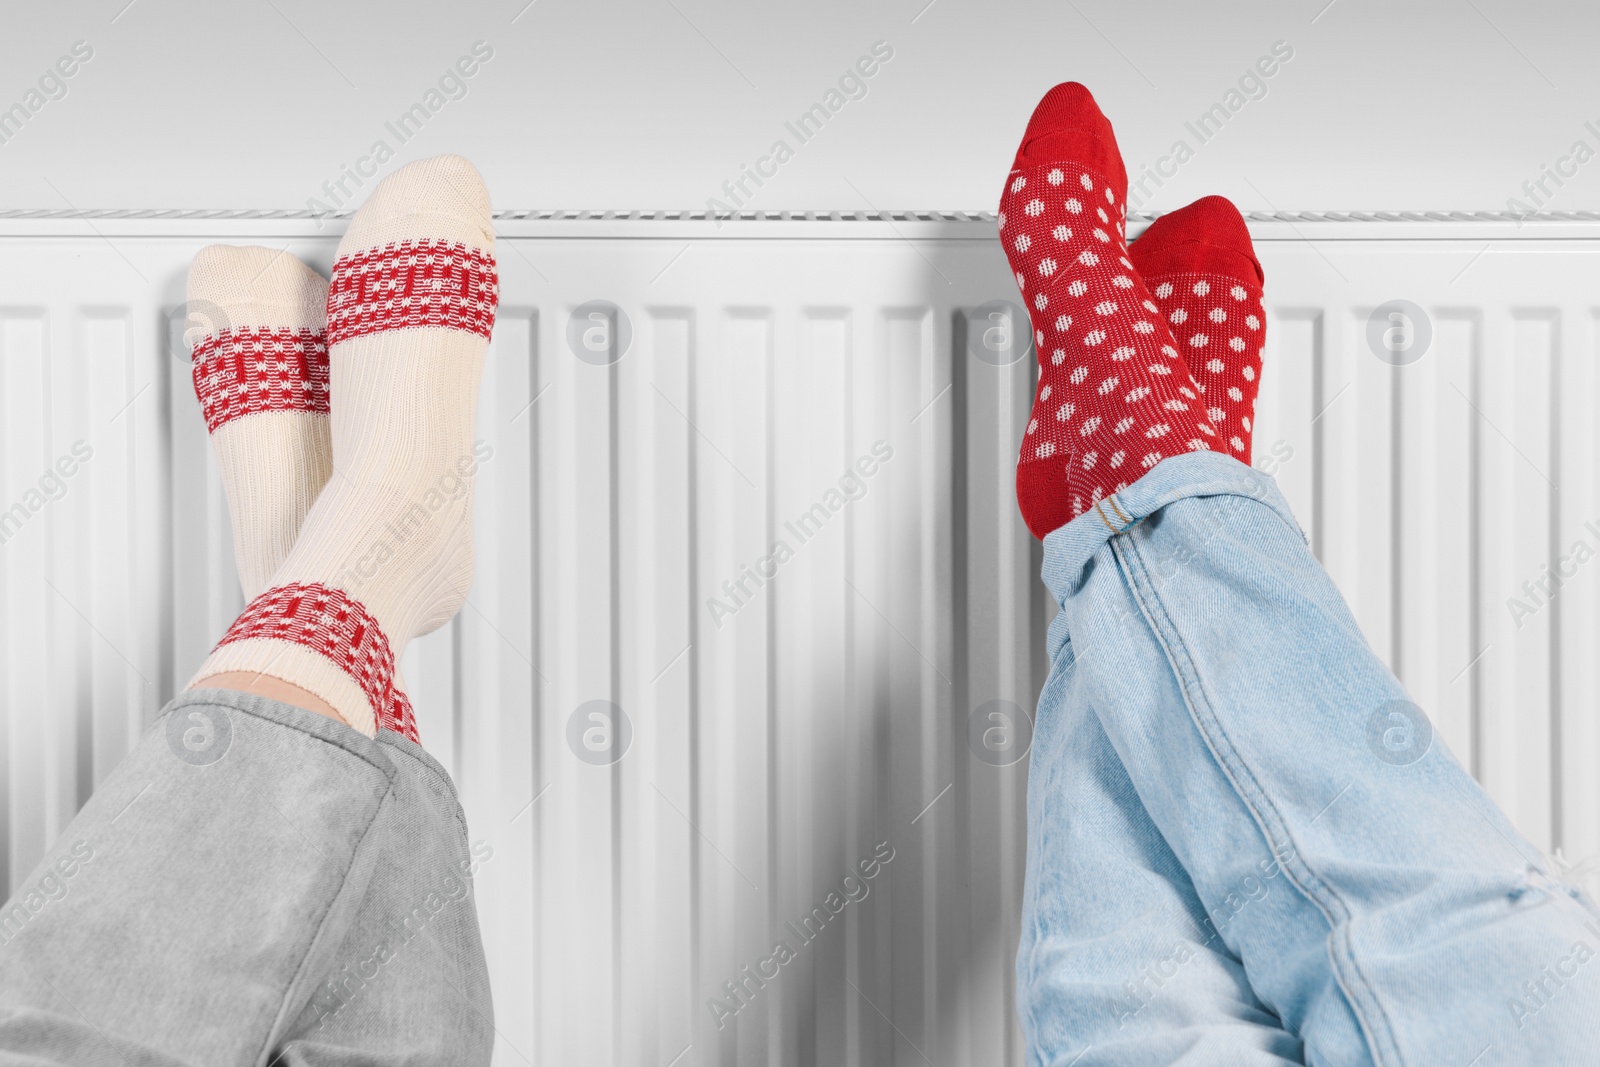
[{"x": 1068, "y": 549}]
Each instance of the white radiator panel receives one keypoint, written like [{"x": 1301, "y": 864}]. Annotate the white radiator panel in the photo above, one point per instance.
[{"x": 829, "y": 713}]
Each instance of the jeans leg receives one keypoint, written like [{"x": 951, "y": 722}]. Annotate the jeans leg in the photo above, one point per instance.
[
  {"x": 1412, "y": 924},
  {"x": 1119, "y": 965},
  {"x": 186, "y": 912},
  {"x": 409, "y": 984}
]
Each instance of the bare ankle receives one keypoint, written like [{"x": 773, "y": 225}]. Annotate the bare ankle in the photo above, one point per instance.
[{"x": 266, "y": 685}]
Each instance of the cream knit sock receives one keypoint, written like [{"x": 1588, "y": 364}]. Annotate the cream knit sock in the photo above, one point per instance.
[
  {"x": 385, "y": 554},
  {"x": 261, "y": 376}
]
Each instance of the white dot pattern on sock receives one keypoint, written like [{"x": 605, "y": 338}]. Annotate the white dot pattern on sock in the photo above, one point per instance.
[
  {"x": 1228, "y": 373},
  {"x": 1094, "y": 406}
]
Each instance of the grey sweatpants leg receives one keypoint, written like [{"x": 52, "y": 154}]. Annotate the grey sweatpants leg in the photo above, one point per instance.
[{"x": 253, "y": 884}]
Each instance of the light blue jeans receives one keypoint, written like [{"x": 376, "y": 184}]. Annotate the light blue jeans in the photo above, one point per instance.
[{"x": 1245, "y": 846}]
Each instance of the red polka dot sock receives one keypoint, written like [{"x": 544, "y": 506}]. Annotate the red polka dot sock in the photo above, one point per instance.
[
  {"x": 260, "y": 369},
  {"x": 1114, "y": 396},
  {"x": 1201, "y": 268},
  {"x": 385, "y": 553}
]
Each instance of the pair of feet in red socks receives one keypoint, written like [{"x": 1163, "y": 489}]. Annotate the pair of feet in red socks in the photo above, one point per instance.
[{"x": 1144, "y": 352}]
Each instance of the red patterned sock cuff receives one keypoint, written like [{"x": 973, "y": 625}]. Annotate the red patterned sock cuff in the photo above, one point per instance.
[
  {"x": 334, "y": 625},
  {"x": 410, "y": 285},
  {"x": 399, "y": 718},
  {"x": 247, "y": 370}
]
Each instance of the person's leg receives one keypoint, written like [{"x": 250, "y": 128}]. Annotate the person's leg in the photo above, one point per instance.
[
  {"x": 408, "y": 983},
  {"x": 236, "y": 970},
  {"x": 1114, "y": 395},
  {"x": 188, "y": 911},
  {"x": 385, "y": 554},
  {"x": 259, "y": 359},
  {"x": 1411, "y": 922},
  {"x": 1119, "y": 964}
]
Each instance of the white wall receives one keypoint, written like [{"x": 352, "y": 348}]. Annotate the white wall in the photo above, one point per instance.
[{"x": 654, "y": 103}]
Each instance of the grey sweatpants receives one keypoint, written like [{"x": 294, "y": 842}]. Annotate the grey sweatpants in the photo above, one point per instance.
[{"x": 254, "y": 884}]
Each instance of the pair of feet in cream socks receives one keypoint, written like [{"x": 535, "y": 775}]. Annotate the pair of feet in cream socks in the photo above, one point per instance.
[{"x": 343, "y": 416}]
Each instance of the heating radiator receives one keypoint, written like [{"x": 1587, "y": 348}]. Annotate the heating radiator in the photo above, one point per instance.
[{"x": 787, "y": 719}]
